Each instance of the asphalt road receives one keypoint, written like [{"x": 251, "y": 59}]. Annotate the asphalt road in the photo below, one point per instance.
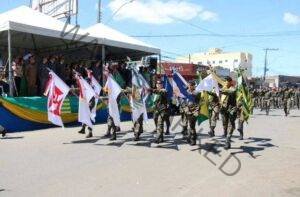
[{"x": 57, "y": 162}]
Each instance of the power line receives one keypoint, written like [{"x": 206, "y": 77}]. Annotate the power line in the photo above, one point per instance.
[
  {"x": 116, "y": 12},
  {"x": 273, "y": 34}
]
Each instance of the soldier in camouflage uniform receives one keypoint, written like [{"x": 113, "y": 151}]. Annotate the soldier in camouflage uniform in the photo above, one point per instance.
[
  {"x": 192, "y": 112},
  {"x": 138, "y": 127},
  {"x": 287, "y": 99},
  {"x": 297, "y": 93},
  {"x": 228, "y": 110},
  {"x": 184, "y": 121},
  {"x": 261, "y": 102},
  {"x": 241, "y": 119},
  {"x": 214, "y": 110},
  {"x": 267, "y": 100},
  {"x": 160, "y": 109}
]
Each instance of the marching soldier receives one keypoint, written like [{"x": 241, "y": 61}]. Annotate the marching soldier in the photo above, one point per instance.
[
  {"x": 241, "y": 119},
  {"x": 184, "y": 121},
  {"x": 287, "y": 99},
  {"x": 298, "y": 97},
  {"x": 214, "y": 110},
  {"x": 228, "y": 110},
  {"x": 267, "y": 100},
  {"x": 160, "y": 110},
  {"x": 192, "y": 112},
  {"x": 82, "y": 130},
  {"x": 2, "y": 131}
]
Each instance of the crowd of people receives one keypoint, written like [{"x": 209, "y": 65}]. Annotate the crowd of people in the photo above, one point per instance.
[
  {"x": 30, "y": 73},
  {"x": 276, "y": 98}
]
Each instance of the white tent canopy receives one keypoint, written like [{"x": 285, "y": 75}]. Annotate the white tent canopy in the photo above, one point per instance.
[
  {"x": 31, "y": 22},
  {"x": 115, "y": 38}
]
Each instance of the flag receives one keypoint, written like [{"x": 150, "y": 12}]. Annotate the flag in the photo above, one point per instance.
[
  {"x": 113, "y": 90},
  {"x": 86, "y": 93},
  {"x": 243, "y": 95},
  {"x": 203, "y": 113},
  {"x": 56, "y": 91},
  {"x": 180, "y": 87},
  {"x": 208, "y": 84},
  {"x": 139, "y": 94},
  {"x": 168, "y": 87},
  {"x": 97, "y": 88}
]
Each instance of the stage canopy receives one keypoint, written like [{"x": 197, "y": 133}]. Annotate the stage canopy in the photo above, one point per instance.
[{"x": 114, "y": 39}]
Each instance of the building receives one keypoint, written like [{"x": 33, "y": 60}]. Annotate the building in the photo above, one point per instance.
[
  {"x": 217, "y": 58},
  {"x": 188, "y": 71},
  {"x": 282, "y": 81}
]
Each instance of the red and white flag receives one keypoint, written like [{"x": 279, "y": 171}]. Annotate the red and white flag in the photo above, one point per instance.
[
  {"x": 113, "y": 89},
  {"x": 86, "y": 93},
  {"x": 56, "y": 91},
  {"x": 97, "y": 88}
]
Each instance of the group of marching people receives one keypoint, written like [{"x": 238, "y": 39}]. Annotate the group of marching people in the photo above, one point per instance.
[
  {"x": 195, "y": 100},
  {"x": 276, "y": 98}
]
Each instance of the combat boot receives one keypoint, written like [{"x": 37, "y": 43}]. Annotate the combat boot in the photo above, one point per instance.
[
  {"x": 90, "y": 134},
  {"x": 184, "y": 131},
  {"x": 3, "y": 133},
  {"x": 82, "y": 130},
  {"x": 193, "y": 139},
  {"x": 225, "y": 134},
  {"x": 228, "y": 143},
  {"x": 211, "y": 133},
  {"x": 159, "y": 139},
  {"x": 167, "y": 132},
  {"x": 114, "y": 136},
  {"x": 241, "y": 135},
  {"x": 136, "y": 136}
]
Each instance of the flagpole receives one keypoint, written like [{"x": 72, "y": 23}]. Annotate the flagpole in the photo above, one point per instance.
[{"x": 10, "y": 71}]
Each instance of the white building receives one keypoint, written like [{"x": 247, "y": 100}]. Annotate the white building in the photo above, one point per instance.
[{"x": 216, "y": 57}]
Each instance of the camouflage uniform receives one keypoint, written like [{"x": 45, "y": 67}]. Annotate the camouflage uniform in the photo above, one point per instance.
[
  {"x": 267, "y": 101},
  {"x": 228, "y": 111},
  {"x": 287, "y": 99},
  {"x": 298, "y": 98},
  {"x": 138, "y": 127},
  {"x": 214, "y": 110},
  {"x": 241, "y": 119},
  {"x": 184, "y": 120},
  {"x": 161, "y": 104},
  {"x": 192, "y": 112}
]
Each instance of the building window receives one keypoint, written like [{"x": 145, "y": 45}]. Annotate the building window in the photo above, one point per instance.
[
  {"x": 226, "y": 60},
  {"x": 245, "y": 60},
  {"x": 235, "y": 60},
  {"x": 213, "y": 62},
  {"x": 200, "y": 63},
  {"x": 220, "y": 62}
]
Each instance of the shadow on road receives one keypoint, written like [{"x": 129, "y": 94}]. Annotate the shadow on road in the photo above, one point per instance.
[{"x": 12, "y": 138}]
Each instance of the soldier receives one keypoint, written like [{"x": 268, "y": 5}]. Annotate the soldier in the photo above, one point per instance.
[
  {"x": 267, "y": 100},
  {"x": 91, "y": 106},
  {"x": 214, "y": 110},
  {"x": 287, "y": 99},
  {"x": 2, "y": 131},
  {"x": 166, "y": 119},
  {"x": 228, "y": 110},
  {"x": 297, "y": 93},
  {"x": 192, "y": 112},
  {"x": 241, "y": 119},
  {"x": 184, "y": 121},
  {"x": 160, "y": 109}
]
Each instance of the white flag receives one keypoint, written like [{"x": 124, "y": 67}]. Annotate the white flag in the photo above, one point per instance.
[
  {"x": 86, "y": 93},
  {"x": 208, "y": 84},
  {"x": 56, "y": 91},
  {"x": 113, "y": 90},
  {"x": 97, "y": 88},
  {"x": 139, "y": 96}
]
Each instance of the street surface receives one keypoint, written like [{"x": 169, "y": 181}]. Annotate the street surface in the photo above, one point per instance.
[{"x": 57, "y": 162}]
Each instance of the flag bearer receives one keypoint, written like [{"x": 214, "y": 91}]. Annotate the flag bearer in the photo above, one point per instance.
[{"x": 228, "y": 110}]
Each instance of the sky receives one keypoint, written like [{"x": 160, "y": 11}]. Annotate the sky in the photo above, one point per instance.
[{"x": 232, "y": 25}]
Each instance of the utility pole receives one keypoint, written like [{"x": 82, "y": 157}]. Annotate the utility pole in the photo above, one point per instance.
[
  {"x": 266, "y": 61},
  {"x": 99, "y": 12}
]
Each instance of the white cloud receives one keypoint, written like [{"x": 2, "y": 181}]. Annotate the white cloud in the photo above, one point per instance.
[
  {"x": 291, "y": 18},
  {"x": 208, "y": 16},
  {"x": 159, "y": 11}
]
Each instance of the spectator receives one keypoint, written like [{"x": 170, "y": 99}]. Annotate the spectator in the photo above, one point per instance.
[
  {"x": 17, "y": 67},
  {"x": 43, "y": 75},
  {"x": 97, "y": 71},
  {"x": 61, "y": 69},
  {"x": 31, "y": 76}
]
